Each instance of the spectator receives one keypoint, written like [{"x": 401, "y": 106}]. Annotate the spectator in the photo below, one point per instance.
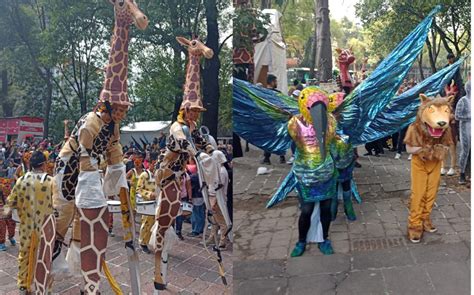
[
  {"x": 185, "y": 196},
  {"x": 272, "y": 84},
  {"x": 293, "y": 88},
  {"x": 463, "y": 115},
  {"x": 11, "y": 169},
  {"x": 162, "y": 140},
  {"x": 198, "y": 216}
]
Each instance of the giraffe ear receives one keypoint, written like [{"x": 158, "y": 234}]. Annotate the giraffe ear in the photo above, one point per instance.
[
  {"x": 183, "y": 41},
  {"x": 338, "y": 50}
]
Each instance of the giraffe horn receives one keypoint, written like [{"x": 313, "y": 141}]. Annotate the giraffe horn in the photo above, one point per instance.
[{"x": 183, "y": 41}]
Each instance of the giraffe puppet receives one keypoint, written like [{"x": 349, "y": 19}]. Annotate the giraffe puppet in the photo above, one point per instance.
[
  {"x": 172, "y": 162},
  {"x": 77, "y": 190}
]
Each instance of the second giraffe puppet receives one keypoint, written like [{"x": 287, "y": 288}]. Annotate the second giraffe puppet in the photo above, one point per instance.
[{"x": 172, "y": 162}]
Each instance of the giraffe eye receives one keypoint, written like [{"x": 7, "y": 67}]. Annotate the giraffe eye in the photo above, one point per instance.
[{"x": 193, "y": 43}]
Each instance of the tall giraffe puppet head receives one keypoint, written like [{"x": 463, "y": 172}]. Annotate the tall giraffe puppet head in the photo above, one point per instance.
[
  {"x": 127, "y": 12},
  {"x": 116, "y": 71},
  {"x": 192, "y": 87}
]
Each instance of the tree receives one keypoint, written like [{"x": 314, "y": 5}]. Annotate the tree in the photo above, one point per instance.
[
  {"x": 29, "y": 20},
  {"x": 77, "y": 43},
  {"x": 210, "y": 72},
  {"x": 323, "y": 41},
  {"x": 388, "y": 22}
]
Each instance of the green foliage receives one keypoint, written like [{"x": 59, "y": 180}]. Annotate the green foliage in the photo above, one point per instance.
[
  {"x": 72, "y": 38},
  {"x": 155, "y": 89},
  {"x": 298, "y": 26},
  {"x": 249, "y": 26},
  {"x": 386, "y": 23},
  {"x": 225, "y": 85}
]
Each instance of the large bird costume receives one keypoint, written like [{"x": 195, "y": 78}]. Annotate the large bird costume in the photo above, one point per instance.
[{"x": 272, "y": 121}]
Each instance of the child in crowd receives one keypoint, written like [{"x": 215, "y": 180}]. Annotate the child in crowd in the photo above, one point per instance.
[
  {"x": 185, "y": 196},
  {"x": 6, "y": 223},
  {"x": 198, "y": 216}
]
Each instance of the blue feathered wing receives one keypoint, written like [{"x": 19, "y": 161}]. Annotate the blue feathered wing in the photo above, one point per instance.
[{"x": 261, "y": 116}]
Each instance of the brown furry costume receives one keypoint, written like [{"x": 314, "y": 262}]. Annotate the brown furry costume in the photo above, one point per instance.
[{"x": 430, "y": 132}]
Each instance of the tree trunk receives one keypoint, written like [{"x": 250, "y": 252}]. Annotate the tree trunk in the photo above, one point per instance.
[
  {"x": 431, "y": 57},
  {"x": 265, "y": 4},
  {"x": 48, "y": 101},
  {"x": 323, "y": 52},
  {"x": 420, "y": 66},
  {"x": 7, "y": 104},
  {"x": 312, "y": 63},
  {"x": 179, "y": 82},
  {"x": 210, "y": 75},
  {"x": 308, "y": 49}
]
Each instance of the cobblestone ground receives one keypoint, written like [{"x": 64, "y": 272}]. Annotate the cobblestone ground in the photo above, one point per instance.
[
  {"x": 191, "y": 269},
  {"x": 372, "y": 254}
]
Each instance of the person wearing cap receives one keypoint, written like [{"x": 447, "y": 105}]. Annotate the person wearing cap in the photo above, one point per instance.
[
  {"x": 296, "y": 93},
  {"x": 293, "y": 88},
  {"x": 32, "y": 198}
]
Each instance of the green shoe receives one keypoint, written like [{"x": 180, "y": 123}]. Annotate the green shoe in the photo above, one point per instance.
[
  {"x": 326, "y": 247},
  {"x": 298, "y": 250},
  {"x": 348, "y": 208}
]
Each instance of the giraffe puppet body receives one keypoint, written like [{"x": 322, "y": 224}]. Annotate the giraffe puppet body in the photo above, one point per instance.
[
  {"x": 77, "y": 190},
  {"x": 172, "y": 162}
]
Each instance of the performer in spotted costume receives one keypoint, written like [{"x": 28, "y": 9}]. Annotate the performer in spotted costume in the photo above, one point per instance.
[
  {"x": 31, "y": 196},
  {"x": 146, "y": 189}
]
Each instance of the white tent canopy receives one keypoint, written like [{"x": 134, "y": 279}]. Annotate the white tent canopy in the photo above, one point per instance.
[
  {"x": 147, "y": 129},
  {"x": 272, "y": 52}
]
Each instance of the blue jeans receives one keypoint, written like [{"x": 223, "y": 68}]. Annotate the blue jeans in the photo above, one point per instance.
[
  {"x": 198, "y": 219},
  {"x": 179, "y": 224}
]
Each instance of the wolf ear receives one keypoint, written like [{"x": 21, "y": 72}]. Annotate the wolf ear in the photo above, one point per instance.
[
  {"x": 423, "y": 98},
  {"x": 451, "y": 99}
]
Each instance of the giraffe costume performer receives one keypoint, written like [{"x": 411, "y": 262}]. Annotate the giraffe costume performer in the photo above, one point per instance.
[
  {"x": 31, "y": 197},
  {"x": 78, "y": 192},
  {"x": 172, "y": 162}
]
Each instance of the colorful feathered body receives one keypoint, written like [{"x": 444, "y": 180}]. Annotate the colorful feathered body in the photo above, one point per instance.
[
  {"x": 316, "y": 177},
  {"x": 342, "y": 152}
]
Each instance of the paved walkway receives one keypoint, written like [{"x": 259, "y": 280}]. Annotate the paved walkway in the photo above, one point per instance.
[
  {"x": 191, "y": 269},
  {"x": 372, "y": 254}
]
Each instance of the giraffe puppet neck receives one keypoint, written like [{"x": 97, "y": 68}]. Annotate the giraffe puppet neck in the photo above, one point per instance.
[{"x": 115, "y": 83}]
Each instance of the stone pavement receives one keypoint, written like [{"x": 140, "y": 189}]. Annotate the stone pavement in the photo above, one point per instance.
[
  {"x": 372, "y": 254},
  {"x": 191, "y": 269}
]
